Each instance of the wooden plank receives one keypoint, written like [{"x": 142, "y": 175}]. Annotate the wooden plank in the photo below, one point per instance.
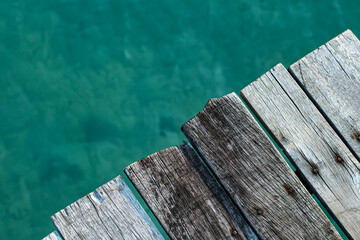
[
  {"x": 310, "y": 142},
  {"x": 186, "y": 199},
  {"x": 253, "y": 172},
  {"x": 331, "y": 75},
  {"x": 53, "y": 236},
  {"x": 110, "y": 212}
]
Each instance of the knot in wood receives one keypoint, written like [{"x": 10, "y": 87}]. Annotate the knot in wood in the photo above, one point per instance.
[
  {"x": 356, "y": 135},
  {"x": 289, "y": 189}
]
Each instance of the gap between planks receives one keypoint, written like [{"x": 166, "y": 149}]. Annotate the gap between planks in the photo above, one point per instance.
[
  {"x": 330, "y": 75},
  {"x": 251, "y": 170},
  {"x": 186, "y": 198},
  {"x": 324, "y": 162}
]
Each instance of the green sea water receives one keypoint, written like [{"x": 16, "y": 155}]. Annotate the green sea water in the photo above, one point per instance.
[{"x": 89, "y": 86}]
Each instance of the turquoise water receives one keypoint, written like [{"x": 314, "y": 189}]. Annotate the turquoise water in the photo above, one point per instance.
[{"x": 88, "y": 87}]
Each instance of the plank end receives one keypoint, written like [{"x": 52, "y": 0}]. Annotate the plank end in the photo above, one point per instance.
[
  {"x": 210, "y": 103},
  {"x": 248, "y": 89}
]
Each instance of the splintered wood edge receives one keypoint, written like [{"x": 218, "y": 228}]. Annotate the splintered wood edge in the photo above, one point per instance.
[
  {"x": 204, "y": 109},
  {"x": 126, "y": 170},
  {"x": 209, "y": 102}
]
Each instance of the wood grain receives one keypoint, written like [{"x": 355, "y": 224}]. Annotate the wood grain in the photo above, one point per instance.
[
  {"x": 309, "y": 142},
  {"x": 331, "y": 76},
  {"x": 53, "y": 236},
  {"x": 253, "y": 172},
  {"x": 185, "y": 198},
  {"x": 110, "y": 212}
]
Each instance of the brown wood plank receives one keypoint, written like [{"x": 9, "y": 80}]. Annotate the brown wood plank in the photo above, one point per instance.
[
  {"x": 253, "y": 172},
  {"x": 309, "y": 142},
  {"x": 186, "y": 199},
  {"x": 110, "y": 212},
  {"x": 331, "y": 76}
]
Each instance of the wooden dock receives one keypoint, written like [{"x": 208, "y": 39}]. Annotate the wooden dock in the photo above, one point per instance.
[{"x": 230, "y": 181}]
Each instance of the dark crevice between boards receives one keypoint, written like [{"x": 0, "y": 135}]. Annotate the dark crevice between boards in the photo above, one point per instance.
[
  {"x": 155, "y": 220},
  {"x": 145, "y": 206},
  {"x": 269, "y": 134},
  {"x": 323, "y": 113},
  {"x": 330, "y": 215},
  {"x": 336, "y": 223},
  {"x": 58, "y": 235},
  {"x": 227, "y": 194}
]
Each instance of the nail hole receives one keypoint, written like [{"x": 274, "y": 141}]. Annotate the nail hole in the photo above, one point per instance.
[
  {"x": 338, "y": 158},
  {"x": 314, "y": 168},
  {"x": 258, "y": 211},
  {"x": 234, "y": 233}
]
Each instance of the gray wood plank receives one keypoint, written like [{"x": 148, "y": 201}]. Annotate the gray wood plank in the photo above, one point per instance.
[
  {"x": 53, "y": 236},
  {"x": 310, "y": 142},
  {"x": 253, "y": 172},
  {"x": 331, "y": 75},
  {"x": 110, "y": 212},
  {"x": 185, "y": 197}
]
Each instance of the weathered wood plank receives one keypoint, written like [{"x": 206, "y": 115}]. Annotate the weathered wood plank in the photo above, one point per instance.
[
  {"x": 331, "y": 75},
  {"x": 110, "y": 212},
  {"x": 253, "y": 172},
  {"x": 186, "y": 199},
  {"x": 53, "y": 236},
  {"x": 310, "y": 142}
]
